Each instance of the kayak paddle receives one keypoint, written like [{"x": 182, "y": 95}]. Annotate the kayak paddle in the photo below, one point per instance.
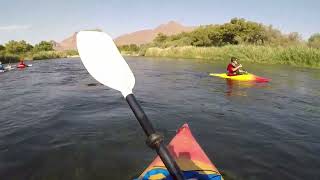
[{"x": 102, "y": 59}]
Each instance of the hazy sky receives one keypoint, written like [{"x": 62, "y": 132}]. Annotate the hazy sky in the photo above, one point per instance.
[{"x": 36, "y": 20}]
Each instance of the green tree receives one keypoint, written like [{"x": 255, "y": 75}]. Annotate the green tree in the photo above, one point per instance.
[
  {"x": 201, "y": 36},
  {"x": 43, "y": 46},
  {"x": 237, "y": 31},
  {"x": 241, "y": 31},
  {"x": 160, "y": 38},
  {"x": 314, "y": 41},
  {"x": 18, "y": 47},
  {"x": 2, "y": 48},
  {"x": 294, "y": 37},
  {"x": 133, "y": 47},
  {"x": 130, "y": 47}
]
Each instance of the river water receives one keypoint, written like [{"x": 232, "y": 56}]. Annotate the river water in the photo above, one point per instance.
[{"x": 57, "y": 122}]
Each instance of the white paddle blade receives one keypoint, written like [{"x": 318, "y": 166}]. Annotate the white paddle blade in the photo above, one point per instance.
[{"x": 104, "y": 62}]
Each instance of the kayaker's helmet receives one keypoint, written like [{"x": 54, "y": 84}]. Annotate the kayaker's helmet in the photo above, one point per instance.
[{"x": 0, "y": 62}]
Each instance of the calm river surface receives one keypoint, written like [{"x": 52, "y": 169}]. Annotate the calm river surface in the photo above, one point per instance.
[{"x": 55, "y": 123}]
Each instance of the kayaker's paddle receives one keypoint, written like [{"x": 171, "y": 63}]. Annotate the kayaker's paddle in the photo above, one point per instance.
[{"x": 104, "y": 62}]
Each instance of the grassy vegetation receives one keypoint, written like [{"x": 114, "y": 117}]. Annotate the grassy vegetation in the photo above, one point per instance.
[
  {"x": 8, "y": 58},
  {"x": 297, "y": 56},
  {"x": 129, "y": 50},
  {"x": 47, "y": 55},
  {"x": 53, "y": 54},
  {"x": 41, "y": 55}
]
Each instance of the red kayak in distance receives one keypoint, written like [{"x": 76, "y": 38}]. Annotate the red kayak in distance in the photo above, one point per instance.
[{"x": 21, "y": 66}]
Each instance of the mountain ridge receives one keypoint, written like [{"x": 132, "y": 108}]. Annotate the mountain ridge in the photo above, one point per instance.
[
  {"x": 138, "y": 37},
  {"x": 147, "y": 35}
]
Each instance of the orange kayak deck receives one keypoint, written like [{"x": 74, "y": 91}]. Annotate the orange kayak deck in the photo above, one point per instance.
[{"x": 190, "y": 157}]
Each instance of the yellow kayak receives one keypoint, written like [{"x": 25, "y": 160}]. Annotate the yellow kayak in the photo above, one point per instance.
[{"x": 243, "y": 77}]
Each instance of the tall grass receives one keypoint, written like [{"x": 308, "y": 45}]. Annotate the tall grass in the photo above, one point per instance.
[
  {"x": 297, "y": 56},
  {"x": 47, "y": 55},
  {"x": 53, "y": 54},
  {"x": 12, "y": 58},
  {"x": 9, "y": 58}
]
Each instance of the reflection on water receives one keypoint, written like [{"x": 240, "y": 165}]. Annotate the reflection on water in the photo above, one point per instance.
[{"x": 239, "y": 88}]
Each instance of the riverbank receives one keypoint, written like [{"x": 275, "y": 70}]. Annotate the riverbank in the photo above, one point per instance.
[
  {"x": 54, "y": 55},
  {"x": 42, "y": 55},
  {"x": 300, "y": 56}
]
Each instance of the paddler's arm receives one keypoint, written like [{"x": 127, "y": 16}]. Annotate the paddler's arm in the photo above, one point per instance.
[{"x": 236, "y": 68}]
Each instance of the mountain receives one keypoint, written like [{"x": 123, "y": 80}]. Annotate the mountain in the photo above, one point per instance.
[
  {"x": 68, "y": 44},
  {"x": 138, "y": 37},
  {"x": 146, "y": 36}
]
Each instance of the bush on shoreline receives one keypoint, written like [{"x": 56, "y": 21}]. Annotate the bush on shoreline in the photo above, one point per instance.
[
  {"x": 42, "y": 55},
  {"x": 47, "y": 55},
  {"x": 8, "y": 58}
]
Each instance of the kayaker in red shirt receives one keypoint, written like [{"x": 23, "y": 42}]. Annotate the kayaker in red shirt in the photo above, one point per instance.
[
  {"x": 233, "y": 68},
  {"x": 22, "y": 64}
]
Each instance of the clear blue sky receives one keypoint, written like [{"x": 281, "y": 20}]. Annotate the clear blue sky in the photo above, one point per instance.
[{"x": 36, "y": 20}]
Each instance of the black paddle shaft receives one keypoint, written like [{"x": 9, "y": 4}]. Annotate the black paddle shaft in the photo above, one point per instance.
[{"x": 154, "y": 140}]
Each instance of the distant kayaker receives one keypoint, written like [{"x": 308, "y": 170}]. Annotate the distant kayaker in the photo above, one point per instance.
[
  {"x": 233, "y": 68},
  {"x": 1, "y": 66},
  {"x": 21, "y": 64}
]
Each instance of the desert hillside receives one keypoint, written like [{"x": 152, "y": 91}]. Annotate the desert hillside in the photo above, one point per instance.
[
  {"x": 138, "y": 37},
  {"x": 69, "y": 43},
  {"x": 146, "y": 36}
]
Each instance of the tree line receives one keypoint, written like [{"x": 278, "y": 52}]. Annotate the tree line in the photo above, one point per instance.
[
  {"x": 236, "y": 32},
  {"x": 13, "y": 51},
  {"x": 21, "y": 48}
]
